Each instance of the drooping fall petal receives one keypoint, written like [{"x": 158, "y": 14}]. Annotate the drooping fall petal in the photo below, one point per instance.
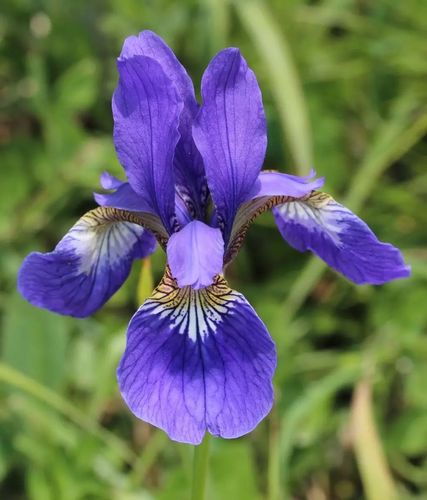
[
  {"x": 340, "y": 238},
  {"x": 87, "y": 266}
]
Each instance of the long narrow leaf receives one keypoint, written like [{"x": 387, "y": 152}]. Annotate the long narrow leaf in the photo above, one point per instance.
[
  {"x": 396, "y": 137},
  {"x": 371, "y": 461},
  {"x": 10, "y": 376},
  {"x": 285, "y": 83},
  {"x": 303, "y": 406}
]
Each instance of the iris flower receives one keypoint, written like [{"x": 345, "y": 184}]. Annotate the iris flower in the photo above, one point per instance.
[{"x": 198, "y": 358}]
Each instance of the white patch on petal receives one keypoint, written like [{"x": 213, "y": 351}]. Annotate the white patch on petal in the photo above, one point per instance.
[
  {"x": 97, "y": 242},
  {"x": 196, "y": 313},
  {"x": 323, "y": 215}
]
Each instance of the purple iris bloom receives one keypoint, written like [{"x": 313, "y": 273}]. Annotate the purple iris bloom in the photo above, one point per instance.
[{"x": 198, "y": 358}]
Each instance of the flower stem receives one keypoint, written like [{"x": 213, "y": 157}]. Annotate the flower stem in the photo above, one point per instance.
[
  {"x": 200, "y": 469},
  {"x": 274, "y": 492}
]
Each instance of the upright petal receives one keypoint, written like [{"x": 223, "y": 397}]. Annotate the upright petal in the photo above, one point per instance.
[
  {"x": 149, "y": 44},
  {"x": 195, "y": 254},
  {"x": 320, "y": 224},
  {"x": 230, "y": 133},
  {"x": 87, "y": 266},
  {"x": 189, "y": 170},
  {"x": 198, "y": 361},
  {"x": 146, "y": 109}
]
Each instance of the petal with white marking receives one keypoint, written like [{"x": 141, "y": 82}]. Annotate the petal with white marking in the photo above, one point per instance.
[
  {"x": 334, "y": 233},
  {"x": 197, "y": 361},
  {"x": 88, "y": 265}
]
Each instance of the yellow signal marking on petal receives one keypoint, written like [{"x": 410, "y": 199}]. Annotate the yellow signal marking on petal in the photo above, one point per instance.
[
  {"x": 318, "y": 211},
  {"x": 317, "y": 199},
  {"x": 103, "y": 233},
  {"x": 105, "y": 215},
  {"x": 193, "y": 312}
]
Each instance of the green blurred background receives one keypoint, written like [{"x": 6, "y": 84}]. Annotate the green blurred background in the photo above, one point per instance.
[{"x": 344, "y": 85}]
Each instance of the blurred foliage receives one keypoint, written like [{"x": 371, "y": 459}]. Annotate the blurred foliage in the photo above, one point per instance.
[{"x": 344, "y": 88}]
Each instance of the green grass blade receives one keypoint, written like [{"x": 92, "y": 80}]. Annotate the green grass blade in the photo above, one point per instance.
[
  {"x": 397, "y": 137},
  {"x": 293, "y": 417},
  {"x": 371, "y": 461},
  {"x": 285, "y": 83},
  {"x": 218, "y": 23},
  {"x": 13, "y": 377}
]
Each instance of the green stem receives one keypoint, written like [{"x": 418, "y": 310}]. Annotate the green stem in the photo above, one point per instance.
[
  {"x": 274, "y": 484},
  {"x": 200, "y": 469}
]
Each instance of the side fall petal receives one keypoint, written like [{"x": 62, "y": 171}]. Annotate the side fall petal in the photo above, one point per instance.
[
  {"x": 87, "y": 266},
  {"x": 331, "y": 231}
]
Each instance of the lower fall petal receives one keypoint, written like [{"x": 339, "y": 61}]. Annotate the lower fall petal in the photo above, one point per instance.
[
  {"x": 320, "y": 224},
  {"x": 198, "y": 361},
  {"x": 87, "y": 266}
]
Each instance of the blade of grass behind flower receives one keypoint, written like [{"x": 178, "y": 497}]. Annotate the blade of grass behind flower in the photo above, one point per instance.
[
  {"x": 375, "y": 475},
  {"x": 145, "y": 281},
  {"x": 293, "y": 417},
  {"x": 285, "y": 83},
  {"x": 395, "y": 138},
  {"x": 218, "y": 23},
  {"x": 153, "y": 448},
  {"x": 20, "y": 381}
]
